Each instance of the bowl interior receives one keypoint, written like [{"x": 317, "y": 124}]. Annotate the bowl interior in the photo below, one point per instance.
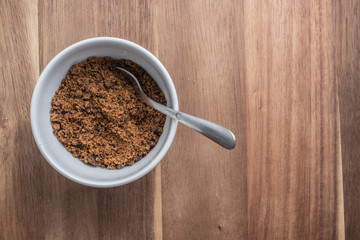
[{"x": 48, "y": 83}]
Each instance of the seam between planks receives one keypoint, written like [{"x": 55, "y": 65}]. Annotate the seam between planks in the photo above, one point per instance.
[{"x": 158, "y": 231}]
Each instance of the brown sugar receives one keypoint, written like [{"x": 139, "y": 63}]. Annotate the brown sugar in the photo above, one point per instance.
[{"x": 96, "y": 115}]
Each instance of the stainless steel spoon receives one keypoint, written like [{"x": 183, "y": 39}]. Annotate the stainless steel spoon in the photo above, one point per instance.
[{"x": 218, "y": 134}]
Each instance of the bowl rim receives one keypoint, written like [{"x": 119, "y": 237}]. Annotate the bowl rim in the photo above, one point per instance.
[{"x": 162, "y": 151}]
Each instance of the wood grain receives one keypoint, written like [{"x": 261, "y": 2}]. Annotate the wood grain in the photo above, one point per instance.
[
  {"x": 292, "y": 121},
  {"x": 22, "y": 199},
  {"x": 284, "y": 76},
  {"x": 348, "y": 75}
]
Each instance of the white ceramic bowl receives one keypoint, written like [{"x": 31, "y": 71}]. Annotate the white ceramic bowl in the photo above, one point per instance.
[{"x": 48, "y": 83}]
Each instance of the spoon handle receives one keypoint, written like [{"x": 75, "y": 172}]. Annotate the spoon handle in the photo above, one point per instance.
[{"x": 222, "y": 136}]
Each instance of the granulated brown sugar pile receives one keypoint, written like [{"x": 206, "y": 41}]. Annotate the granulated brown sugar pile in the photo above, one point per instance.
[{"x": 98, "y": 118}]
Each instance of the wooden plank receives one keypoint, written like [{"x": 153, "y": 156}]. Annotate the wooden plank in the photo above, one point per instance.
[
  {"x": 293, "y": 140},
  {"x": 70, "y": 209},
  {"x": 204, "y": 186},
  {"x": 74, "y": 211},
  {"x": 348, "y": 75},
  {"x": 21, "y": 168}
]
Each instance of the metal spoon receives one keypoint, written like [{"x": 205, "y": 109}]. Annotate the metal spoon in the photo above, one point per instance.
[{"x": 218, "y": 134}]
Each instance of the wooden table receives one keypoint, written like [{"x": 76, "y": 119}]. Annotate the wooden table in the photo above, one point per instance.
[{"x": 284, "y": 76}]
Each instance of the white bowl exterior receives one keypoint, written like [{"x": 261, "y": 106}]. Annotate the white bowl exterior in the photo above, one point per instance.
[{"x": 48, "y": 83}]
